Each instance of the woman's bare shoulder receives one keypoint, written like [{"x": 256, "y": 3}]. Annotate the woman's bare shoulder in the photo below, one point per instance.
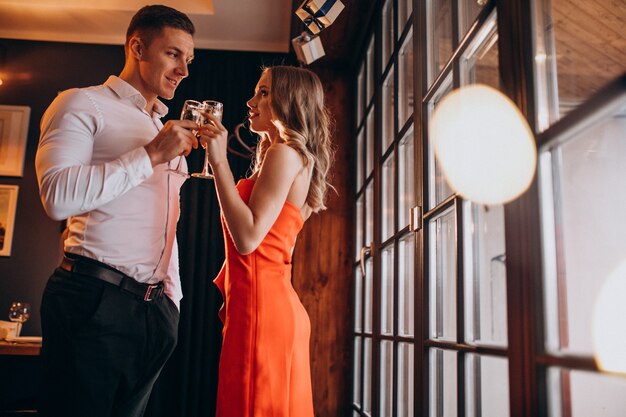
[{"x": 283, "y": 155}]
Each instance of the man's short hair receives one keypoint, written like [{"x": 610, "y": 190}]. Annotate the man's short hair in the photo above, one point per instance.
[{"x": 150, "y": 20}]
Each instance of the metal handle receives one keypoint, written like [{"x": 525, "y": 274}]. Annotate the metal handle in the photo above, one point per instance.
[
  {"x": 415, "y": 219},
  {"x": 365, "y": 250}
]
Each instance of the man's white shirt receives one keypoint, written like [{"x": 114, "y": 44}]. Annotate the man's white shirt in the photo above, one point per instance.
[{"x": 93, "y": 170}]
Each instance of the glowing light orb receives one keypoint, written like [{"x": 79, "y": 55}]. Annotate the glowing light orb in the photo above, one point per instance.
[
  {"x": 484, "y": 145},
  {"x": 608, "y": 333}
]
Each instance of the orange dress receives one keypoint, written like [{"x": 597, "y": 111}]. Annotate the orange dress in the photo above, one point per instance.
[{"x": 264, "y": 365}]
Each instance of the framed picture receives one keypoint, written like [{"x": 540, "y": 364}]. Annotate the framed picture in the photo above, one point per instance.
[
  {"x": 8, "y": 203},
  {"x": 13, "y": 136}
]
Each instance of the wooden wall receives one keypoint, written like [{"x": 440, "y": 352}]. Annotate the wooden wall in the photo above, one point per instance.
[{"x": 322, "y": 264}]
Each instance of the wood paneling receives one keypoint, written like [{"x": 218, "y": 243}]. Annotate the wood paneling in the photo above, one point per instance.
[
  {"x": 590, "y": 44},
  {"x": 322, "y": 268}
]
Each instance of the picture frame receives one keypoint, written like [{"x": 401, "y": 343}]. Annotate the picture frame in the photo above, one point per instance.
[
  {"x": 8, "y": 205},
  {"x": 13, "y": 137}
]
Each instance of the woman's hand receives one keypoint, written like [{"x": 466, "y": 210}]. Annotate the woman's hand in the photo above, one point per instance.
[{"x": 214, "y": 137}]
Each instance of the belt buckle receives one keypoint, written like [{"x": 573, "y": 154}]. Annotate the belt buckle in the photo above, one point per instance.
[{"x": 148, "y": 295}]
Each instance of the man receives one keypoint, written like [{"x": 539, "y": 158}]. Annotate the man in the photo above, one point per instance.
[{"x": 110, "y": 311}]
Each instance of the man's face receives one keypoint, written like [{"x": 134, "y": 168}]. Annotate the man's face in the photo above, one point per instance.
[{"x": 163, "y": 63}]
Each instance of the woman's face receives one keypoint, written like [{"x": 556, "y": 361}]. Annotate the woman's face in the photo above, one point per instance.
[{"x": 260, "y": 113}]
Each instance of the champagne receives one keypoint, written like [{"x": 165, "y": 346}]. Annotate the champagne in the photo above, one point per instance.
[{"x": 191, "y": 114}]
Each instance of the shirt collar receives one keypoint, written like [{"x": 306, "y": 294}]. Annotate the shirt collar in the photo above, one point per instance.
[{"x": 125, "y": 90}]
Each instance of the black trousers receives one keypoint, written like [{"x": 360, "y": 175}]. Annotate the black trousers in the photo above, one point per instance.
[{"x": 103, "y": 348}]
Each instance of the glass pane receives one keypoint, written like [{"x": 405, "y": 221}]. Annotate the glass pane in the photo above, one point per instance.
[
  {"x": 367, "y": 375},
  {"x": 370, "y": 71},
  {"x": 485, "y": 274},
  {"x": 406, "y": 286},
  {"x": 583, "y": 394},
  {"x": 583, "y": 222},
  {"x": 359, "y": 159},
  {"x": 479, "y": 64},
  {"x": 359, "y": 227},
  {"x": 368, "y": 297},
  {"x": 405, "y": 92},
  {"x": 579, "y": 48},
  {"x": 406, "y": 180},
  {"x": 356, "y": 372},
  {"x": 439, "y": 189},
  {"x": 406, "y": 369},
  {"x": 405, "y": 8},
  {"x": 369, "y": 213},
  {"x": 487, "y": 386},
  {"x": 439, "y": 36},
  {"x": 386, "y": 378},
  {"x": 388, "y": 197},
  {"x": 387, "y": 110},
  {"x": 442, "y": 241},
  {"x": 468, "y": 12},
  {"x": 358, "y": 300},
  {"x": 369, "y": 151},
  {"x": 386, "y": 291},
  {"x": 442, "y": 381},
  {"x": 388, "y": 38},
  {"x": 360, "y": 95}
]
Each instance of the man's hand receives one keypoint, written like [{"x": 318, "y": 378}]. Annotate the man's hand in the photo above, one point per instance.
[{"x": 176, "y": 138}]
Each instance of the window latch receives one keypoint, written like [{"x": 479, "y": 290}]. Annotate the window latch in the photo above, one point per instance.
[
  {"x": 365, "y": 251},
  {"x": 415, "y": 222}
]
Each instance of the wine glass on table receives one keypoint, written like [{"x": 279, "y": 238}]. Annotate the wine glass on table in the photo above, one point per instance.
[
  {"x": 19, "y": 312},
  {"x": 216, "y": 109},
  {"x": 192, "y": 110}
]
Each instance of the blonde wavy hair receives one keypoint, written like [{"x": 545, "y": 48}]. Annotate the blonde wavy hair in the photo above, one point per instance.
[{"x": 303, "y": 122}]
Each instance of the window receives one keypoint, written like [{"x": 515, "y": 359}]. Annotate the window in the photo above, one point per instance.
[
  {"x": 384, "y": 290},
  {"x": 580, "y": 108},
  {"x": 469, "y": 310},
  {"x": 465, "y": 244},
  {"x": 440, "y": 46},
  {"x": 583, "y": 236}
]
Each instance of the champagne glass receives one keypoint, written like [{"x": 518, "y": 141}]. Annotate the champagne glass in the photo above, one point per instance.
[
  {"x": 215, "y": 108},
  {"x": 19, "y": 312},
  {"x": 191, "y": 111}
]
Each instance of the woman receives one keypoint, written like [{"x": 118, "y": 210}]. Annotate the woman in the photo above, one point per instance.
[{"x": 264, "y": 365}]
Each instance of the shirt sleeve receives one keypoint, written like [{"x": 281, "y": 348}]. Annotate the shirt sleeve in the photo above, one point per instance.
[{"x": 69, "y": 184}]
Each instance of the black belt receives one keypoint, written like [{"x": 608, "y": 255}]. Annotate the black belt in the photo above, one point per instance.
[{"x": 90, "y": 267}]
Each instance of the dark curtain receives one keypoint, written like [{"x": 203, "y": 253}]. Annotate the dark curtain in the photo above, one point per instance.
[{"x": 187, "y": 386}]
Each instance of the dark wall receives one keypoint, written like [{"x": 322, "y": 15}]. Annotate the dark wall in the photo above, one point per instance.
[{"x": 33, "y": 73}]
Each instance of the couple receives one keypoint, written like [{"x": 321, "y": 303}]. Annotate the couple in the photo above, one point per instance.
[{"x": 110, "y": 311}]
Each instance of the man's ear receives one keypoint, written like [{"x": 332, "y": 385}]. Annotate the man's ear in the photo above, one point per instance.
[{"x": 136, "y": 47}]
